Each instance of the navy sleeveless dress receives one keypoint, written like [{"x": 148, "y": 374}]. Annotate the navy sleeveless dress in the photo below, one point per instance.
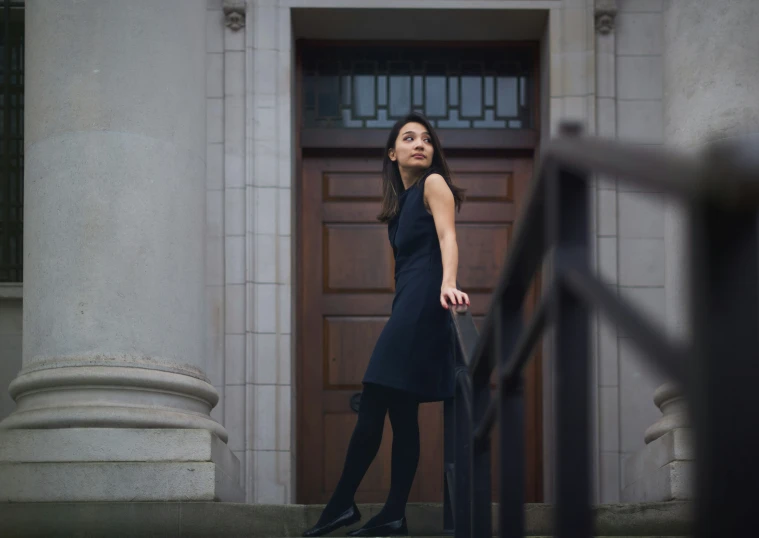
[{"x": 414, "y": 352}]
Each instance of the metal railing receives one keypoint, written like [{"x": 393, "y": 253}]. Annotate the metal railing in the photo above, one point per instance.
[{"x": 718, "y": 368}]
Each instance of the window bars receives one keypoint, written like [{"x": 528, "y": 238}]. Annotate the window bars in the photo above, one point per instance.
[{"x": 12, "y": 141}]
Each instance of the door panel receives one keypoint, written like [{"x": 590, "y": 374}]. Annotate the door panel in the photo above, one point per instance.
[
  {"x": 356, "y": 258},
  {"x": 345, "y": 294}
]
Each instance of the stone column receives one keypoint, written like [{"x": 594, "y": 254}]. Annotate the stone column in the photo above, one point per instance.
[
  {"x": 113, "y": 327},
  {"x": 711, "y": 76}
]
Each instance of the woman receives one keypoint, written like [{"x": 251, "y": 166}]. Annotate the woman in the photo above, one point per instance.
[{"x": 412, "y": 361}]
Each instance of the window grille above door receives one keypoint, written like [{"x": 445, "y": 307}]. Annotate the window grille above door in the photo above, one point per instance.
[{"x": 456, "y": 87}]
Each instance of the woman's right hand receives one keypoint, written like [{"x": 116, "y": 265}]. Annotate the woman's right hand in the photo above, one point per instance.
[{"x": 452, "y": 295}]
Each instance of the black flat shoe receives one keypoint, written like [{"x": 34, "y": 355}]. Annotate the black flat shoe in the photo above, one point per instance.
[
  {"x": 349, "y": 517},
  {"x": 393, "y": 528}
]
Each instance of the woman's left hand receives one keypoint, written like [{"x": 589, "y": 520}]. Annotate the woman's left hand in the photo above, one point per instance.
[{"x": 454, "y": 295}]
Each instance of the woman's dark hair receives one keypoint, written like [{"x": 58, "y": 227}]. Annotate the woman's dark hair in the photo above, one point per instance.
[{"x": 392, "y": 185}]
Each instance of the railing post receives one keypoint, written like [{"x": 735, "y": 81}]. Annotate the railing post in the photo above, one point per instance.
[
  {"x": 511, "y": 426},
  {"x": 724, "y": 395},
  {"x": 568, "y": 229},
  {"x": 462, "y": 504},
  {"x": 448, "y": 464},
  {"x": 482, "y": 494}
]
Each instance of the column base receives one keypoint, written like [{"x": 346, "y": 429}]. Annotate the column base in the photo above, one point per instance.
[
  {"x": 117, "y": 464},
  {"x": 129, "y": 392},
  {"x": 662, "y": 471}
]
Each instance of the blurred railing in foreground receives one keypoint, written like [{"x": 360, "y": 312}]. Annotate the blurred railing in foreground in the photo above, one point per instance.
[{"x": 718, "y": 368}]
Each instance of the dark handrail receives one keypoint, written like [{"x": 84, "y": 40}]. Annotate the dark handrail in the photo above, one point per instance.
[{"x": 718, "y": 367}]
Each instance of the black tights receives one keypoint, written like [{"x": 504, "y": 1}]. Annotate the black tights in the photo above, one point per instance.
[{"x": 376, "y": 401}]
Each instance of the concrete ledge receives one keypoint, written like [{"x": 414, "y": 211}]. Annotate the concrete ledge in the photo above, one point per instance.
[
  {"x": 116, "y": 481},
  {"x": 231, "y": 520},
  {"x": 11, "y": 290}
]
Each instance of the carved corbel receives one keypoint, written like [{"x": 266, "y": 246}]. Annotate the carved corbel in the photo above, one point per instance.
[
  {"x": 605, "y": 13},
  {"x": 234, "y": 14}
]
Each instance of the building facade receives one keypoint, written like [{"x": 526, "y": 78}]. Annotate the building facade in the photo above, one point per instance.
[{"x": 201, "y": 182}]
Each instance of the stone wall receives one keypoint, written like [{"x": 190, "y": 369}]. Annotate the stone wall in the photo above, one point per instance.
[
  {"x": 249, "y": 240},
  {"x": 631, "y": 243}
]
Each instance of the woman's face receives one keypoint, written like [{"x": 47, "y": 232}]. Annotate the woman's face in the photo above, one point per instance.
[{"x": 413, "y": 147}]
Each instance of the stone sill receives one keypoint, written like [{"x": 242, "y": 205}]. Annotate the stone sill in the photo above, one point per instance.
[{"x": 11, "y": 290}]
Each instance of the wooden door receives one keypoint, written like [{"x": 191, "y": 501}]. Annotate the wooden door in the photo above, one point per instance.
[{"x": 345, "y": 292}]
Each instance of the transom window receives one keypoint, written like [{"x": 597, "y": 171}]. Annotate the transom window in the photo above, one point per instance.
[
  {"x": 12, "y": 142},
  {"x": 455, "y": 87}
]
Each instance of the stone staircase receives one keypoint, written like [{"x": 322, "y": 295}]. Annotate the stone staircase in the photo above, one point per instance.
[{"x": 148, "y": 519}]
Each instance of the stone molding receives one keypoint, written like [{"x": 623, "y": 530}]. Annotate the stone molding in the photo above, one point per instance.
[
  {"x": 234, "y": 14},
  {"x": 111, "y": 397},
  {"x": 126, "y": 360},
  {"x": 605, "y": 15},
  {"x": 671, "y": 401}
]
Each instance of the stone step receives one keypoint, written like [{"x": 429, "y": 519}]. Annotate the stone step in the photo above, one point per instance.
[{"x": 272, "y": 521}]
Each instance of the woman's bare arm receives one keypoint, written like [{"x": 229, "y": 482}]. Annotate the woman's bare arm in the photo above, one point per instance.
[{"x": 439, "y": 198}]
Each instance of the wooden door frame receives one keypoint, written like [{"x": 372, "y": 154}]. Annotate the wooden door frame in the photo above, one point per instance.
[{"x": 319, "y": 142}]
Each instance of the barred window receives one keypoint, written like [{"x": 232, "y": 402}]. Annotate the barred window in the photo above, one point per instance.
[
  {"x": 12, "y": 143},
  {"x": 465, "y": 87}
]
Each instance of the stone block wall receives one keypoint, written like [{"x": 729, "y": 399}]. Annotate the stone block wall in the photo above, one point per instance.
[
  {"x": 630, "y": 243},
  {"x": 249, "y": 241}
]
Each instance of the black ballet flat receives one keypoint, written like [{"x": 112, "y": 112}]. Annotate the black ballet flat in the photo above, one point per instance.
[
  {"x": 393, "y": 528},
  {"x": 349, "y": 517}
]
